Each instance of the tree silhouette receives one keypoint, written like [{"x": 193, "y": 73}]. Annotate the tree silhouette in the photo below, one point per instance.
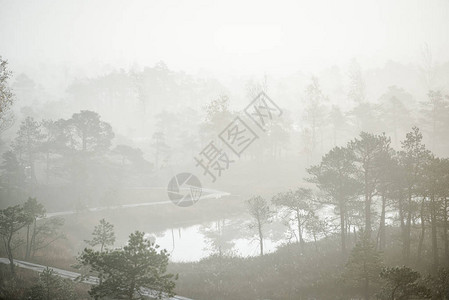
[
  {"x": 261, "y": 213},
  {"x": 368, "y": 150},
  {"x": 436, "y": 118},
  {"x": 88, "y": 134},
  {"x": 103, "y": 235},
  {"x": 12, "y": 219},
  {"x": 334, "y": 176},
  {"x": 315, "y": 110},
  {"x": 13, "y": 174},
  {"x": 51, "y": 286},
  {"x": 363, "y": 266},
  {"x": 299, "y": 207},
  {"x": 394, "y": 112},
  {"x": 413, "y": 159},
  {"x": 27, "y": 144},
  {"x": 6, "y": 97},
  {"x": 135, "y": 271},
  {"x": 34, "y": 210},
  {"x": 401, "y": 283}
]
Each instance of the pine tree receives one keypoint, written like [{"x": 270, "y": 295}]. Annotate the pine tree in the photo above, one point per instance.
[
  {"x": 103, "y": 235},
  {"x": 27, "y": 144},
  {"x": 402, "y": 283},
  {"x": 363, "y": 266},
  {"x": 334, "y": 176},
  {"x": 135, "y": 271},
  {"x": 52, "y": 287},
  {"x": 34, "y": 210},
  {"x": 413, "y": 159},
  {"x": 12, "y": 219}
]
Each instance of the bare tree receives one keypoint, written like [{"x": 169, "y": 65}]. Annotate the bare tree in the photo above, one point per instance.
[
  {"x": 260, "y": 211},
  {"x": 299, "y": 208}
]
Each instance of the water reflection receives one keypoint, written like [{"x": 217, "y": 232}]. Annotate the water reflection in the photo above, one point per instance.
[{"x": 195, "y": 242}]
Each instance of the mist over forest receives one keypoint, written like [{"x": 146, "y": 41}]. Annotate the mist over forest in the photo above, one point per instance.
[{"x": 224, "y": 150}]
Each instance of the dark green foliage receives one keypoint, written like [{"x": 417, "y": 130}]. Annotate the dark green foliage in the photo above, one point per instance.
[
  {"x": 334, "y": 176},
  {"x": 34, "y": 210},
  {"x": 363, "y": 267},
  {"x": 439, "y": 284},
  {"x": 402, "y": 283},
  {"x": 368, "y": 150},
  {"x": 52, "y": 287},
  {"x": 127, "y": 271}
]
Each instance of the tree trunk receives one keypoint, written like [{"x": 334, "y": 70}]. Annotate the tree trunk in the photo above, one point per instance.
[
  {"x": 47, "y": 279},
  {"x": 27, "y": 249},
  {"x": 407, "y": 230},
  {"x": 343, "y": 230},
  {"x": 260, "y": 238},
  {"x": 402, "y": 225},
  {"x": 10, "y": 256},
  {"x": 382, "y": 225},
  {"x": 423, "y": 231},
  {"x": 131, "y": 290},
  {"x": 367, "y": 209},
  {"x": 366, "y": 289},
  {"x": 433, "y": 221},
  {"x": 33, "y": 240},
  {"x": 301, "y": 240}
]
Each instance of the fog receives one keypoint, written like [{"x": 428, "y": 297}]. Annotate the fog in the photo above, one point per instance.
[
  {"x": 224, "y": 149},
  {"x": 225, "y": 39}
]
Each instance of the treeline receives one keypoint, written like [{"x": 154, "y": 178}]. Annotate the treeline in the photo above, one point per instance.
[
  {"x": 384, "y": 201},
  {"x": 76, "y": 153},
  {"x": 369, "y": 183},
  {"x": 318, "y": 116},
  {"x": 371, "y": 187},
  {"x": 374, "y": 225}
]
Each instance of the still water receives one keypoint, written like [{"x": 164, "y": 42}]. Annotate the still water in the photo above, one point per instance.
[{"x": 192, "y": 243}]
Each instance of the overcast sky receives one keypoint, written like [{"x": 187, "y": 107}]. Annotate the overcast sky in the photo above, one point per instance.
[{"x": 232, "y": 36}]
